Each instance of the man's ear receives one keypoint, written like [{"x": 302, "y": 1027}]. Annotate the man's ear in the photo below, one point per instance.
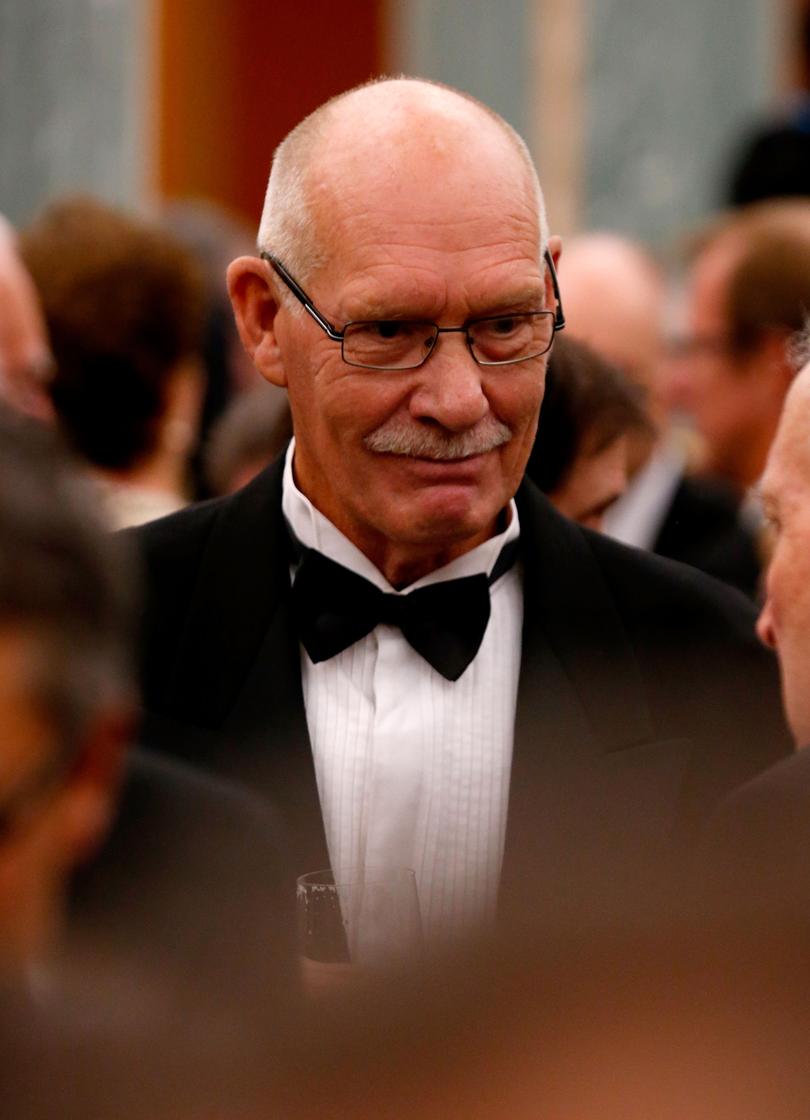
[
  {"x": 255, "y": 307},
  {"x": 555, "y": 248}
]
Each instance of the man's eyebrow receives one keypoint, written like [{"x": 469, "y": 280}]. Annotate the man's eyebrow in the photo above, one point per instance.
[{"x": 526, "y": 299}]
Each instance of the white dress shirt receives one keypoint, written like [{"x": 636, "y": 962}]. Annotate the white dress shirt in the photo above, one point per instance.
[{"x": 412, "y": 769}]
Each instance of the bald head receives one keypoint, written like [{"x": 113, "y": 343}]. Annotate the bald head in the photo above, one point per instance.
[
  {"x": 614, "y": 296},
  {"x": 372, "y": 136},
  {"x": 24, "y": 357}
]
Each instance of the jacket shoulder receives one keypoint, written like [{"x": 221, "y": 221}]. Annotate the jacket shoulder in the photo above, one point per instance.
[{"x": 646, "y": 583}]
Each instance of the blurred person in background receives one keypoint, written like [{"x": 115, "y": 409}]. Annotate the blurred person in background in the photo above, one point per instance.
[
  {"x": 773, "y": 159},
  {"x": 25, "y": 360},
  {"x": 214, "y": 236},
  {"x": 749, "y": 290},
  {"x": 251, "y": 432},
  {"x": 590, "y": 412},
  {"x": 615, "y": 301},
  {"x": 123, "y": 304}
]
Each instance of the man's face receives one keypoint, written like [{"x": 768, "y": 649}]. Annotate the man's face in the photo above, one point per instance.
[
  {"x": 720, "y": 387},
  {"x": 446, "y": 248},
  {"x": 594, "y": 483},
  {"x": 785, "y": 620}
]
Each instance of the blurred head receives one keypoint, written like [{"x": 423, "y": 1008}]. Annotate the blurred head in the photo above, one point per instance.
[
  {"x": 785, "y": 620},
  {"x": 749, "y": 293},
  {"x": 124, "y": 306},
  {"x": 598, "y": 1026},
  {"x": 64, "y": 683},
  {"x": 252, "y": 432},
  {"x": 402, "y": 200},
  {"x": 590, "y": 410},
  {"x": 614, "y": 301},
  {"x": 25, "y": 361}
]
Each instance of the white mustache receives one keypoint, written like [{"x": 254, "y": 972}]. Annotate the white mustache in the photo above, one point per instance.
[{"x": 403, "y": 437}]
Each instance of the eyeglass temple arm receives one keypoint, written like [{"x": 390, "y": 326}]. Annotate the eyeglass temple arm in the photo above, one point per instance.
[
  {"x": 559, "y": 314},
  {"x": 301, "y": 296}
]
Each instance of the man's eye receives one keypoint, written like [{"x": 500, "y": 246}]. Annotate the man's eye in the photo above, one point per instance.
[
  {"x": 503, "y": 326},
  {"x": 386, "y": 330}
]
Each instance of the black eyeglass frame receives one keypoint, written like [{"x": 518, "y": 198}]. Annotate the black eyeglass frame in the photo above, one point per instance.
[{"x": 339, "y": 336}]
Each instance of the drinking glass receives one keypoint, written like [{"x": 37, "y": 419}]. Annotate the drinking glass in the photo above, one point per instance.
[{"x": 368, "y": 919}]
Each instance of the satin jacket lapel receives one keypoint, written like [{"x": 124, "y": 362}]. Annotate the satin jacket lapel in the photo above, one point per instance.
[{"x": 239, "y": 667}]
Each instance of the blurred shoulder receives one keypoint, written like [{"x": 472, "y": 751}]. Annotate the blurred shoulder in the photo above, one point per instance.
[
  {"x": 184, "y": 533},
  {"x": 647, "y": 585}
]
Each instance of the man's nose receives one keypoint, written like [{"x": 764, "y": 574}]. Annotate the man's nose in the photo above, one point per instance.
[
  {"x": 765, "y": 630},
  {"x": 450, "y": 391}
]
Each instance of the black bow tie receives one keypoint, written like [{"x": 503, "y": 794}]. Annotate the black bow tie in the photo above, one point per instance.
[{"x": 444, "y": 622}]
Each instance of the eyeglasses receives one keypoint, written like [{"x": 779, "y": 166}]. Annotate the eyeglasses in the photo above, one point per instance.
[{"x": 397, "y": 344}]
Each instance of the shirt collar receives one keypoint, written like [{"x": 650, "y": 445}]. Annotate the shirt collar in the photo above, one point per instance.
[{"x": 313, "y": 530}]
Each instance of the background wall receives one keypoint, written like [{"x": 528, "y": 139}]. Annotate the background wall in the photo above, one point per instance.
[
  {"x": 74, "y": 100},
  {"x": 631, "y": 107}
]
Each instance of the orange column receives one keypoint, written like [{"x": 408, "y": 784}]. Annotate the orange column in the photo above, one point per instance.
[{"x": 234, "y": 77}]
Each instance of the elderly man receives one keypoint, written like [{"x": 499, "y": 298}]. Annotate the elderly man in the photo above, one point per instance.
[
  {"x": 24, "y": 358},
  {"x": 764, "y": 828},
  {"x": 429, "y": 673}
]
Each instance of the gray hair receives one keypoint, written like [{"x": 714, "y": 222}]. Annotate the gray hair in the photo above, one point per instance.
[
  {"x": 287, "y": 227},
  {"x": 63, "y": 580}
]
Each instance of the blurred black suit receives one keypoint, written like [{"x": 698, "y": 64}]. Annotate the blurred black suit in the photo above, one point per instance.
[
  {"x": 702, "y": 527},
  {"x": 189, "y": 898}
]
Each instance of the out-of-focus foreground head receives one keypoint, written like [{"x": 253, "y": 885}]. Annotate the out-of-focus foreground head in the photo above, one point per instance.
[
  {"x": 749, "y": 294},
  {"x": 614, "y": 301},
  {"x": 401, "y": 200},
  {"x": 25, "y": 361},
  {"x": 785, "y": 489},
  {"x": 65, "y": 686}
]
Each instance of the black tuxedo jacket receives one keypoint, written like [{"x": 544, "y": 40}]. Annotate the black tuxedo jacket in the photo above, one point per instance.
[
  {"x": 702, "y": 527},
  {"x": 644, "y": 695}
]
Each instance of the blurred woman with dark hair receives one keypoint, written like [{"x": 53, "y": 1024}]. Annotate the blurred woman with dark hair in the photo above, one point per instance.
[{"x": 124, "y": 306}]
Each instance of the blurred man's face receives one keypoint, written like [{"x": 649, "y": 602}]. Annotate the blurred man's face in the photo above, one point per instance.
[
  {"x": 443, "y": 240},
  {"x": 593, "y": 484},
  {"x": 24, "y": 355},
  {"x": 726, "y": 391},
  {"x": 785, "y": 620}
]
